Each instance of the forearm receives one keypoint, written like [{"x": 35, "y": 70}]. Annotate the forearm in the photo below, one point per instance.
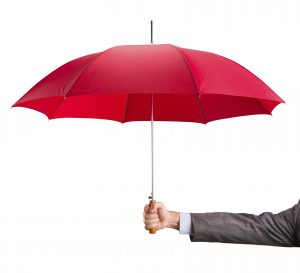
[{"x": 242, "y": 228}]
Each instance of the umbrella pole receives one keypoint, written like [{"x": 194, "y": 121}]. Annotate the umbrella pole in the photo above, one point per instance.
[
  {"x": 152, "y": 153},
  {"x": 151, "y": 197},
  {"x": 152, "y": 201},
  {"x": 152, "y": 170}
]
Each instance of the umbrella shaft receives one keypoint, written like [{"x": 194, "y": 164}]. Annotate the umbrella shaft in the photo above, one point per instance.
[{"x": 152, "y": 153}]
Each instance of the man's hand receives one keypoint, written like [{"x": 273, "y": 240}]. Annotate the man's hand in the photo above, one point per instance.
[{"x": 157, "y": 216}]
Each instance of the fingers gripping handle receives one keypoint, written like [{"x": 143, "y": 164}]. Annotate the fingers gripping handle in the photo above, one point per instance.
[{"x": 152, "y": 230}]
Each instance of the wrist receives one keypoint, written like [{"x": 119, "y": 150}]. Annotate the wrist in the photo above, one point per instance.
[{"x": 173, "y": 220}]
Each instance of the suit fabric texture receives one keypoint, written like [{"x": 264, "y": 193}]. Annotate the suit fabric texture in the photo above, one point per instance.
[{"x": 281, "y": 229}]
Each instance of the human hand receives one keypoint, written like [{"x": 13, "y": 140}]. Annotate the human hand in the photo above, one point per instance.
[{"x": 158, "y": 216}]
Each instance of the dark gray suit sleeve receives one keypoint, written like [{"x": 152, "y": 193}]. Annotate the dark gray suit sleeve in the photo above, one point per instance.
[{"x": 281, "y": 229}]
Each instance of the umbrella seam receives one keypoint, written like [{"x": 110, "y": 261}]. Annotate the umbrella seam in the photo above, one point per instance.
[
  {"x": 194, "y": 81},
  {"x": 188, "y": 67},
  {"x": 200, "y": 110},
  {"x": 55, "y": 109},
  {"x": 75, "y": 81},
  {"x": 125, "y": 108},
  {"x": 85, "y": 68},
  {"x": 264, "y": 107}
]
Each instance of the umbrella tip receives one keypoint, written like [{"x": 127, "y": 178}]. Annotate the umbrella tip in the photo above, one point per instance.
[{"x": 151, "y": 26}]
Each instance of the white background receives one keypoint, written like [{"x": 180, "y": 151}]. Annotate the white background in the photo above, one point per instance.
[{"x": 72, "y": 191}]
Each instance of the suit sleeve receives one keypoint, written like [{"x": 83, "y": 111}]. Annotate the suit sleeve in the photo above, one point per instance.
[{"x": 281, "y": 229}]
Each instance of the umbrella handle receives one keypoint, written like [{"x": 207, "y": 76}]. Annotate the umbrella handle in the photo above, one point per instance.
[{"x": 152, "y": 230}]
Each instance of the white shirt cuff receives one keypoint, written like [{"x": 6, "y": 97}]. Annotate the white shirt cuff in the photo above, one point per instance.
[{"x": 185, "y": 223}]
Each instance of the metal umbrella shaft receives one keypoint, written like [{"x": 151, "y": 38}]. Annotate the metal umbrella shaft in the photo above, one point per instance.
[
  {"x": 151, "y": 197},
  {"x": 152, "y": 152}
]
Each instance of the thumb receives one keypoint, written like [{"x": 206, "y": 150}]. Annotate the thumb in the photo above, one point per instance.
[{"x": 153, "y": 207}]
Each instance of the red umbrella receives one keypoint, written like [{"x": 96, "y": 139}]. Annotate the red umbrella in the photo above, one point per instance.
[
  {"x": 151, "y": 82},
  {"x": 119, "y": 83}
]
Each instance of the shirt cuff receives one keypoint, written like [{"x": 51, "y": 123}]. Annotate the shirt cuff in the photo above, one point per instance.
[{"x": 185, "y": 223}]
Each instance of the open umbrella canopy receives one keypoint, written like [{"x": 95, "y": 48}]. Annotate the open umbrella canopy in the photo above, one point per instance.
[{"x": 120, "y": 83}]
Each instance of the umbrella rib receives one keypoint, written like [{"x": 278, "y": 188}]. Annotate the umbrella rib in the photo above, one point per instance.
[
  {"x": 188, "y": 67},
  {"x": 200, "y": 109},
  {"x": 264, "y": 107},
  {"x": 125, "y": 108},
  {"x": 83, "y": 70},
  {"x": 194, "y": 81},
  {"x": 55, "y": 109}
]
